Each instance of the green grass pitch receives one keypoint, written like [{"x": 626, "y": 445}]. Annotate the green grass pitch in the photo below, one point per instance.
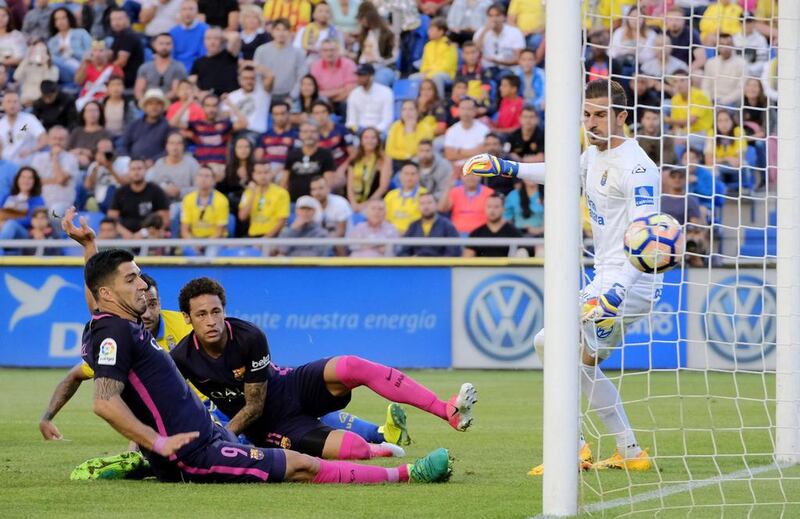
[{"x": 675, "y": 413}]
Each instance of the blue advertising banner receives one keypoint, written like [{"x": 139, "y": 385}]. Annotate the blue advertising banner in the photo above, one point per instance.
[
  {"x": 398, "y": 316},
  {"x": 657, "y": 342}
]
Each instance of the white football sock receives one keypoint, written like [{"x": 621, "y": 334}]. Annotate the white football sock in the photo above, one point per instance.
[{"x": 604, "y": 399}]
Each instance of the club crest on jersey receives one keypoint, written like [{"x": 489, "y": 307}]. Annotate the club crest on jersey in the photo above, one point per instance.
[
  {"x": 604, "y": 178},
  {"x": 108, "y": 352},
  {"x": 238, "y": 373},
  {"x": 643, "y": 195},
  {"x": 256, "y": 454},
  {"x": 171, "y": 342},
  {"x": 639, "y": 169}
]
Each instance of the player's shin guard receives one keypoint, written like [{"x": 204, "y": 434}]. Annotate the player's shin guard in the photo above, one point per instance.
[
  {"x": 349, "y": 422},
  {"x": 344, "y": 472},
  {"x": 604, "y": 399},
  {"x": 390, "y": 383}
]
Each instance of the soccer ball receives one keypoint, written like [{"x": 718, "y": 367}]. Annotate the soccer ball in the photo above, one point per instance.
[{"x": 654, "y": 243}]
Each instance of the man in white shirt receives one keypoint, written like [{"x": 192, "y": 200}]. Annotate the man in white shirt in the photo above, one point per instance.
[
  {"x": 370, "y": 104},
  {"x": 661, "y": 64},
  {"x": 252, "y": 99},
  {"x": 500, "y": 43},
  {"x": 58, "y": 170},
  {"x": 21, "y": 133},
  {"x": 159, "y": 16},
  {"x": 754, "y": 45},
  {"x": 466, "y": 137},
  {"x": 724, "y": 73},
  {"x": 335, "y": 213}
]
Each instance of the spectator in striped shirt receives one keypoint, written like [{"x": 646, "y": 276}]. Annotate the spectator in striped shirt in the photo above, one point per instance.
[
  {"x": 212, "y": 134},
  {"x": 274, "y": 145}
]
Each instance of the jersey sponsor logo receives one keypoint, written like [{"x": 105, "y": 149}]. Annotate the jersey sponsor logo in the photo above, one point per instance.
[
  {"x": 639, "y": 169},
  {"x": 593, "y": 214},
  {"x": 644, "y": 195},
  {"x": 502, "y": 314},
  {"x": 257, "y": 365},
  {"x": 108, "y": 352},
  {"x": 739, "y": 319},
  {"x": 33, "y": 301},
  {"x": 604, "y": 178}
]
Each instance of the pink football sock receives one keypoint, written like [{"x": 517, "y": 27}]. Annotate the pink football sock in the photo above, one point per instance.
[
  {"x": 354, "y": 447},
  {"x": 390, "y": 383},
  {"x": 345, "y": 472}
]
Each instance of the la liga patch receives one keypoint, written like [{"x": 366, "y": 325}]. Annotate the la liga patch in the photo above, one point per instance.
[{"x": 108, "y": 352}]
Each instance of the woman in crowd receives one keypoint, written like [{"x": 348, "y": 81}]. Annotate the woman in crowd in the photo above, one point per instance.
[
  {"x": 432, "y": 111},
  {"x": 524, "y": 208},
  {"x": 238, "y": 174},
  {"x": 370, "y": 171},
  {"x": 68, "y": 43},
  {"x": 252, "y": 34},
  {"x": 90, "y": 130},
  {"x": 35, "y": 68},
  {"x": 632, "y": 43},
  {"x": 117, "y": 110},
  {"x": 726, "y": 151},
  {"x": 405, "y": 134},
  {"x": 377, "y": 44},
  {"x": 12, "y": 42},
  {"x": 17, "y": 208},
  {"x": 308, "y": 93}
]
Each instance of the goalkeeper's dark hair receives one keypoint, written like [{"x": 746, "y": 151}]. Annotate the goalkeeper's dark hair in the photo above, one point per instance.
[
  {"x": 199, "y": 287},
  {"x": 101, "y": 267},
  {"x": 608, "y": 88}
]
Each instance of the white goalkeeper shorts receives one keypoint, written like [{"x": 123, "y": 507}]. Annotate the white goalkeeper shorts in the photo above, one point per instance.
[{"x": 637, "y": 304}]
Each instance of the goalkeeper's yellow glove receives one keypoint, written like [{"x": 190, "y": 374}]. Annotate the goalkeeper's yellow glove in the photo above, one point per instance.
[
  {"x": 486, "y": 165},
  {"x": 604, "y": 309}
]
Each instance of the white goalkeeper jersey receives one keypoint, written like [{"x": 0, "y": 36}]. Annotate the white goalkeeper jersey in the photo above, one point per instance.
[{"x": 620, "y": 184}]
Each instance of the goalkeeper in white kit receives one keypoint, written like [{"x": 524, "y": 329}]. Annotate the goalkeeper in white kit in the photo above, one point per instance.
[{"x": 621, "y": 184}]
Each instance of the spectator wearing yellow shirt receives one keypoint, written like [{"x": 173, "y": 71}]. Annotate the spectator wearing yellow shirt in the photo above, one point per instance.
[
  {"x": 606, "y": 13},
  {"x": 528, "y": 16},
  {"x": 298, "y": 12},
  {"x": 406, "y": 134},
  {"x": 204, "y": 212},
  {"x": 264, "y": 203},
  {"x": 726, "y": 149},
  {"x": 723, "y": 16},
  {"x": 692, "y": 112},
  {"x": 402, "y": 204},
  {"x": 439, "y": 57}
]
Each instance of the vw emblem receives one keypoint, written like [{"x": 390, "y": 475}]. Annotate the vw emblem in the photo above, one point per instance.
[
  {"x": 502, "y": 315},
  {"x": 739, "y": 319}
]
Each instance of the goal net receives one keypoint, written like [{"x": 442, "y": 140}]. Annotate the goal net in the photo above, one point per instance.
[{"x": 697, "y": 376}]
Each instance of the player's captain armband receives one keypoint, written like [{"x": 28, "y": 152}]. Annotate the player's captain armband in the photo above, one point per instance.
[
  {"x": 644, "y": 195},
  {"x": 108, "y": 353}
]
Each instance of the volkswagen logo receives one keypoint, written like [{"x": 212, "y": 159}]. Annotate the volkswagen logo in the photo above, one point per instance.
[
  {"x": 739, "y": 319},
  {"x": 502, "y": 315}
]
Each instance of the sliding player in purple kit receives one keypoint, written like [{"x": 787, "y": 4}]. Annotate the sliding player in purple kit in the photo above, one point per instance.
[
  {"x": 228, "y": 360},
  {"x": 140, "y": 393}
]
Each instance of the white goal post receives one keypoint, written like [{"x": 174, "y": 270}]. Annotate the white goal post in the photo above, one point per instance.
[{"x": 779, "y": 407}]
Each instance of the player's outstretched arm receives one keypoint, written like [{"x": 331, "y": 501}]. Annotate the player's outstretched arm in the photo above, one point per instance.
[
  {"x": 84, "y": 235},
  {"x": 254, "y": 396},
  {"x": 486, "y": 165},
  {"x": 109, "y": 406},
  {"x": 61, "y": 395}
]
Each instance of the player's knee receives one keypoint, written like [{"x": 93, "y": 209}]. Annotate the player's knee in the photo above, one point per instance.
[
  {"x": 538, "y": 344},
  {"x": 353, "y": 447},
  {"x": 300, "y": 467}
]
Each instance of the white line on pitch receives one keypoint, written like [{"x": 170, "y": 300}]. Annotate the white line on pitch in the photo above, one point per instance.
[{"x": 672, "y": 490}]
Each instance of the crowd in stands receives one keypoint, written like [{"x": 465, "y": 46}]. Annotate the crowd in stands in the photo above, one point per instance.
[{"x": 301, "y": 118}]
